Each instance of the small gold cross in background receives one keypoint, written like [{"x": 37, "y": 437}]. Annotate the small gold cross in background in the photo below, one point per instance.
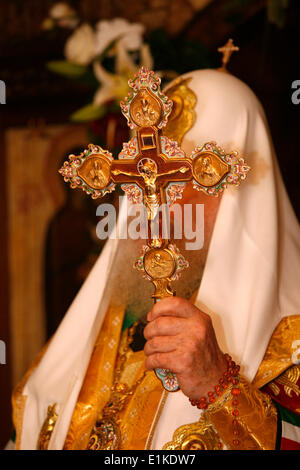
[{"x": 227, "y": 50}]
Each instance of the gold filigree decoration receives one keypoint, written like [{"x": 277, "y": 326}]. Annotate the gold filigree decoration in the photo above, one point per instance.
[
  {"x": 182, "y": 117},
  {"x": 195, "y": 436},
  {"x": 47, "y": 428},
  {"x": 275, "y": 389},
  {"x": 289, "y": 381}
]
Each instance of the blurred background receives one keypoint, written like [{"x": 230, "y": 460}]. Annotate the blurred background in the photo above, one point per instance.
[{"x": 66, "y": 66}]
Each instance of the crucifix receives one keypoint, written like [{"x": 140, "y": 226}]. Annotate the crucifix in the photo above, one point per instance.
[
  {"x": 153, "y": 170},
  {"x": 227, "y": 50}
]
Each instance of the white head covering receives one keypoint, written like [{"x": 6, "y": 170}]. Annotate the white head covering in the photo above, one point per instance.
[{"x": 251, "y": 274}]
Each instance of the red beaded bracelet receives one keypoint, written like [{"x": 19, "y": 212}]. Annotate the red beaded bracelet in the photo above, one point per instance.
[{"x": 229, "y": 377}]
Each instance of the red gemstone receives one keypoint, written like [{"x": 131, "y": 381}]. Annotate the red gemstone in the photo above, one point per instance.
[{"x": 202, "y": 406}]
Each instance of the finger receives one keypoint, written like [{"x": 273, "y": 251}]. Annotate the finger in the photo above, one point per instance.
[
  {"x": 172, "y": 306},
  {"x": 163, "y": 326},
  {"x": 160, "y": 344},
  {"x": 164, "y": 360}
]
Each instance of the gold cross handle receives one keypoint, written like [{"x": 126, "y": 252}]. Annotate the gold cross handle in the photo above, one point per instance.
[{"x": 153, "y": 170}]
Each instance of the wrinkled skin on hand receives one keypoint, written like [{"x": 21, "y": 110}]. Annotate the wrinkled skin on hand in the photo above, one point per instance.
[{"x": 181, "y": 338}]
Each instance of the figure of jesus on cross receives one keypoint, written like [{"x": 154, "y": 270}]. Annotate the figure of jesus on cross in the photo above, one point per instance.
[{"x": 147, "y": 169}]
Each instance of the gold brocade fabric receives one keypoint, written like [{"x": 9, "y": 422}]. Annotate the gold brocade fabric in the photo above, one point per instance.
[
  {"x": 96, "y": 387},
  {"x": 257, "y": 420},
  {"x": 257, "y": 416},
  {"x": 139, "y": 413},
  {"x": 256, "y": 424},
  {"x": 282, "y": 352}
]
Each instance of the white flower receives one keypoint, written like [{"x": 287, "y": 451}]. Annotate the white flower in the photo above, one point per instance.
[
  {"x": 80, "y": 47},
  {"x": 63, "y": 15},
  {"x": 128, "y": 34},
  {"x": 114, "y": 87},
  {"x": 61, "y": 10}
]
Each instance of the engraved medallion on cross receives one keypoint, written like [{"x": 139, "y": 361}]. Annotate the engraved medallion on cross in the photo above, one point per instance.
[{"x": 152, "y": 169}]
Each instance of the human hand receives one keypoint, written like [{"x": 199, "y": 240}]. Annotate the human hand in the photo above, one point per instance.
[{"x": 181, "y": 338}]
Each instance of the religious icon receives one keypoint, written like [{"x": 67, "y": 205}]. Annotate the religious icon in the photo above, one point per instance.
[
  {"x": 147, "y": 169},
  {"x": 145, "y": 110},
  {"x": 95, "y": 172},
  {"x": 149, "y": 165},
  {"x": 159, "y": 264},
  {"x": 208, "y": 170}
]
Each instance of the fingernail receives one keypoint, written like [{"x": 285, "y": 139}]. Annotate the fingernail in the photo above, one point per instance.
[{"x": 149, "y": 316}]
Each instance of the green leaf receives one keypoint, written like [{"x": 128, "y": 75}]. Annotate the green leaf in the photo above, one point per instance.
[
  {"x": 68, "y": 69},
  {"x": 89, "y": 113}
]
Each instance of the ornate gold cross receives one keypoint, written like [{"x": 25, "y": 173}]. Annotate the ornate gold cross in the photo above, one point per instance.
[{"x": 152, "y": 169}]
